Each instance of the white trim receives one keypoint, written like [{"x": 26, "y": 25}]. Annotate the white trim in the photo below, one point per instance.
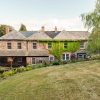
[
  {"x": 50, "y": 57},
  {"x": 82, "y": 45},
  {"x": 34, "y": 60},
  {"x": 36, "y": 45},
  {"x": 66, "y": 57}
]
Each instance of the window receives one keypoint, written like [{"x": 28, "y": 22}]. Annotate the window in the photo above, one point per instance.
[
  {"x": 19, "y": 46},
  {"x": 19, "y": 59},
  {"x": 81, "y": 56},
  {"x": 81, "y": 44},
  {"x": 65, "y": 45},
  {"x": 49, "y": 45},
  {"x": 33, "y": 61},
  {"x": 9, "y": 45},
  {"x": 34, "y": 45},
  {"x": 51, "y": 58},
  {"x": 65, "y": 57}
]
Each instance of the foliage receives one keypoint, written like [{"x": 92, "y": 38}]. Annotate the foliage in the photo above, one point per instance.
[
  {"x": 22, "y": 28},
  {"x": 29, "y": 67},
  {"x": 92, "y": 21},
  {"x": 21, "y": 69},
  {"x": 77, "y": 81},
  {"x": 2, "y": 29},
  {"x": 58, "y": 48},
  {"x": 56, "y": 63},
  {"x": 9, "y": 73}
]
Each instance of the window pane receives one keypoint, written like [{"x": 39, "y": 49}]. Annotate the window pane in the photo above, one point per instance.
[
  {"x": 34, "y": 45},
  {"x": 19, "y": 45},
  {"x": 49, "y": 45},
  {"x": 51, "y": 58},
  {"x": 63, "y": 57},
  {"x": 9, "y": 45},
  {"x": 65, "y": 45},
  {"x": 81, "y": 44},
  {"x": 67, "y": 56}
]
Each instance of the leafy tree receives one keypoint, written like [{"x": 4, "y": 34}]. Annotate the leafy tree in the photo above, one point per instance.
[
  {"x": 23, "y": 28},
  {"x": 3, "y": 29},
  {"x": 92, "y": 21}
]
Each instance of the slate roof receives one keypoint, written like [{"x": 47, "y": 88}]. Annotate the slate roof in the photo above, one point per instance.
[
  {"x": 18, "y": 53},
  {"x": 39, "y": 36},
  {"x": 52, "y": 34},
  {"x": 38, "y": 53},
  {"x": 47, "y": 35},
  {"x": 28, "y": 33},
  {"x": 72, "y": 35},
  {"x": 13, "y": 35},
  {"x": 12, "y": 53}
]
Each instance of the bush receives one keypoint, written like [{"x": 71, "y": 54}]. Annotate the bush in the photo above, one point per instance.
[
  {"x": 21, "y": 69},
  {"x": 55, "y": 63},
  {"x": 29, "y": 67},
  {"x": 9, "y": 73},
  {"x": 1, "y": 70}
]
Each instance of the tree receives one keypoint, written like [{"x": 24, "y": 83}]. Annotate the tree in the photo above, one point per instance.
[
  {"x": 23, "y": 28},
  {"x": 92, "y": 21},
  {"x": 3, "y": 29}
]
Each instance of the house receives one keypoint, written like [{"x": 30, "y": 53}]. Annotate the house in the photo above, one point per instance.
[{"x": 32, "y": 47}]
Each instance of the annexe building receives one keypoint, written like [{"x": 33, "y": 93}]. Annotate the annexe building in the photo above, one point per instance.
[{"x": 32, "y": 47}]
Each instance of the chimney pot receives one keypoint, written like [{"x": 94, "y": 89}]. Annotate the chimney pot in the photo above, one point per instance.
[
  {"x": 7, "y": 29},
  {"x": 42, "y": 29},
  {"x": 55, "y": 29}
]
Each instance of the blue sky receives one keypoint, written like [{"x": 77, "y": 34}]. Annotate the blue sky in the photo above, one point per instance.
[{"x": 35, "y": 13}]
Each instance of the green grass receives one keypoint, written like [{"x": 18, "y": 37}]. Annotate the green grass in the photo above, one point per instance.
[{"x": 77, "y": 81}]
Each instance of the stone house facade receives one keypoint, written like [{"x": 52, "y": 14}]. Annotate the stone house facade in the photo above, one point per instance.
[{"x": 32, "y": 47}]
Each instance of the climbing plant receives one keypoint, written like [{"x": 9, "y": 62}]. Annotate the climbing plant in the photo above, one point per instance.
[{"x": 58, "y": 47}]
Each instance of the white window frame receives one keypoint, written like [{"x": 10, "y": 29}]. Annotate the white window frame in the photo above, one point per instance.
[
  {"x": 8, "y": 45},
  {"x": 50, "y": 57},
  {"x": 65, "y": 45},
  {"x": 19, "y": 45},
  {"x": 33, "y": 45},
  {"x": 49, "y": 46},
  {"x": 65, "y": 57},
  {"x": 82, "y": 56},
  {"x": 82, "y": 45},
  {"x": 34, "y": 60}
]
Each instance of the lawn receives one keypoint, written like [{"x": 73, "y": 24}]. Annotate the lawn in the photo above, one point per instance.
[{"x": 77, "y": 81}]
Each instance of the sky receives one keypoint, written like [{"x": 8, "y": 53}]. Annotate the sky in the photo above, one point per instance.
[{"x": 65, "y": 14}]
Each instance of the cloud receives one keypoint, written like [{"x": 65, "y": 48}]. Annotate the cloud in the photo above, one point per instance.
[{"x": 71, "y": 24}]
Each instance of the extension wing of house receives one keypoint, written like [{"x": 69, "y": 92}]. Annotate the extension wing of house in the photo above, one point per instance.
[{"x": 32, "y": 47}]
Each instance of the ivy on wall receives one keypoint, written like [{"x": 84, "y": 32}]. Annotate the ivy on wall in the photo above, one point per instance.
[{"x": 58, "y": 47}]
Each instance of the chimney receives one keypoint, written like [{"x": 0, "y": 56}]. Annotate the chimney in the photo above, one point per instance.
[
  {"x": 7, "y": 29},
  {"x": 55, "y": 29},
  {"x": 42, "y": 29}
]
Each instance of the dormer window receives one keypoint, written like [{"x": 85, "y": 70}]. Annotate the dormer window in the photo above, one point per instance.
[
  {"x": 65, "y": 45},
  {"x": 34, "y": 45},
  {"x": 19, "y": 45},
  {"x": 82, "y": 45},
  {"x": 49, "y": 45},
  {"x": 9, "y": 46}
]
